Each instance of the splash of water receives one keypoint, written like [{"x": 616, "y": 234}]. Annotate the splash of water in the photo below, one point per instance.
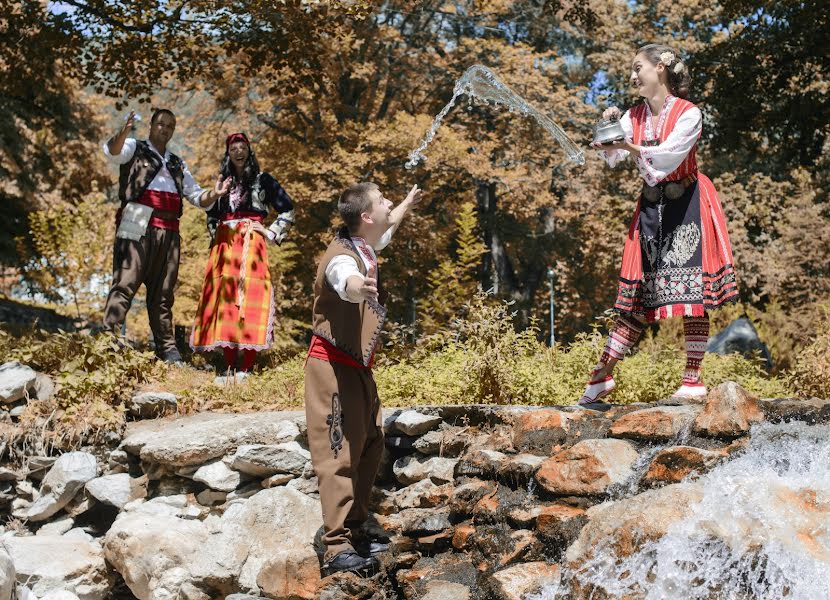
[
  {"x": 761, "y": 531},
  {"x": 480, "y": 82}
]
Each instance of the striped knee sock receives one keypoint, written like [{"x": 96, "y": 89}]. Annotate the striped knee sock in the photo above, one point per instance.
[
  {"x": 696, "y": 333},
  {"x": 623, "y": 336}
]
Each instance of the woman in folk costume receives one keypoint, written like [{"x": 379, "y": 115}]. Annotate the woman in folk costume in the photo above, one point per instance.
[
  {"x": 677, "y": 260},
  {"x": 236, "y": 309}
]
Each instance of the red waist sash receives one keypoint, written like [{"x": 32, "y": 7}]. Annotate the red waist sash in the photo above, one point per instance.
[
  {"x": 169, "y": 203},
  {"x": 325, "y": 350}
]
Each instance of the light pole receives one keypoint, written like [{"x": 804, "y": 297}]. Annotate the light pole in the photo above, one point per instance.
[{"x": 550, "y": 286}]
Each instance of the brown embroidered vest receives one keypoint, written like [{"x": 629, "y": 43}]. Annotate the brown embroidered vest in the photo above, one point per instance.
[
  {"x": 351, "y": 327},
  {"x": 138, "y": 172}
]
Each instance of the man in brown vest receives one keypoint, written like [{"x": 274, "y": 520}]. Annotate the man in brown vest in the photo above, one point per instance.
[
  {"x": 343, "y": 410},
  {"x": 151, "y": 186}
]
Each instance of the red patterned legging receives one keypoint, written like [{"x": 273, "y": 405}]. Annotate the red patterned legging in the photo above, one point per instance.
[{"x": 627, "y": 331}]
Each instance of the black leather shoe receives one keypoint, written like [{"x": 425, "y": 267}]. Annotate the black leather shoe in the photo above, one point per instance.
[
  {"x": 172, "y": 357},
  {"x": 350, "y": 561},
  {"x": 372, "y": 547}
]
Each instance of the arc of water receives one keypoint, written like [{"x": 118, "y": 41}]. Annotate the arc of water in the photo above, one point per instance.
[{"x": 480, "y": 82}]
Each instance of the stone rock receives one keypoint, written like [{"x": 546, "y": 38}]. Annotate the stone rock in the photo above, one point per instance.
[
  {"x": 412, "y": 422},
  {"x": 518, "y": 470},
  {"x": 729, "y": 412},
  {"x": 246, "y": 491},
  {"x": 414, "y": 468},
  {"x": 467, "y": 495},
  {"x": 9, "y": 475},
  {"x": 417, "y": 521},
  {"x": 810, "y": 410},
  {"x": 480, "y": 463},
  {"x": 463, "y": 536},
  {"x": 449, "y": 441},
  {"x": 449, "y": 567},
  {"x": 278, "y": 479},
  {"x": 68, "y": 475},
  {"x": 38, "y": 466},
  {"x": 423, "y": 494},
  {"x": 260, "y": 546},
  {"x": 672, "y": 465},
  {"x": 24, "y": 593},
  {"x": 739, "y": 336},
  {"x": 44, "y": 387},
  {"x": 150, "y": 405},
  {"x": 195, "y": 440},
  {"x": 7, "y": 575},
  {"x": 15, "y": 381},
  {"x": 348, "y": 586},
  {"x": 57, "y": 527},
  {"x": 59, "y": 595},
  {"x": 53, "y": 563},
  {"x": 308, "y": 486},
  {"x": 541, "y": 430},
  {"x": 262, "y": 460},
  {"x": 661, "y": 423},
  {"x": 516, "y": 582},
  {"x": 503, "y": 548},
  {"x": 623, "y": 527},
  {"x": 588, "y": 468},
  {"x": 17, "y": 411},
  {"x": 559, "y": 525},
  {"x": 218, "y": 476},
  {"x": 118, "y": 489},
  {"x": 445, "y": 590},
  {"x": 210, "y": 497},
  {"x": 81, "y": 503},
  {"x": 78, "y": 533}
]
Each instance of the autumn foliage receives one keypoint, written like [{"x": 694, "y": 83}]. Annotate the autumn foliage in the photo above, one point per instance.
[{"x": 336, "y": 92}]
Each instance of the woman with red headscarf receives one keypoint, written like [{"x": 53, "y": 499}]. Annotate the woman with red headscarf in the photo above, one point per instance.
[{"x": 236, "y": 309}]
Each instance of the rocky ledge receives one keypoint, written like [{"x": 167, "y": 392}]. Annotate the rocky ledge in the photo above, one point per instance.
[{"x": 479, "y": 501}]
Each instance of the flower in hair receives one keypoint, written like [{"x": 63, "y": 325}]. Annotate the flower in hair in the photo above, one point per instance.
[
  {"x": 678, "y": 68},
  {"x": 667, "y": 58}
]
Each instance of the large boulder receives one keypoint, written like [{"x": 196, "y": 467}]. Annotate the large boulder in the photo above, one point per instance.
[
  {"x": 67, "y": 476},
  {"x": 623, "y": 527},
  {"x": 262, "y": 545},
  {"x": 729, "y": 412},
  {"x": 196, "y": 439},
  {"x": 588, "y": 468},
  {"x": 52, "y": 563},
  {"x": 16, "y": 381},
  {"x": 739, "y": 336}
]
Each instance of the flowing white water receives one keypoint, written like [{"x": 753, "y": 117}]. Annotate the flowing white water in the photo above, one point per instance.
[
  {"x": 479, "y": 82},
  {"x": 761, "y": 531}
]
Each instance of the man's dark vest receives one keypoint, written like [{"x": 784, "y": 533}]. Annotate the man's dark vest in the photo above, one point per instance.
[{"x": 138, "y": 172}]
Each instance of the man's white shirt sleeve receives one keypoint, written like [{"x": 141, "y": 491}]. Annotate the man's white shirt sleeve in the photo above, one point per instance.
[
  {"x": 338, "y": 271},
  {"x": 127, "y": 151}
]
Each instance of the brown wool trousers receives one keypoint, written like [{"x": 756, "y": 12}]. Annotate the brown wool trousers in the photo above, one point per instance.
[
  {"x": 154, "y": 261},
  {"x": 345, "y": 436}
]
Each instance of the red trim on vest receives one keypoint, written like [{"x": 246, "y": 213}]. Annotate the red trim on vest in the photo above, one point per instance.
[{"x": 325, "y": 350}]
